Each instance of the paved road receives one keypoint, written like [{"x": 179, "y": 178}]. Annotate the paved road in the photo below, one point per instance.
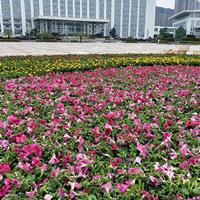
[{"x": 42, "y": 48}]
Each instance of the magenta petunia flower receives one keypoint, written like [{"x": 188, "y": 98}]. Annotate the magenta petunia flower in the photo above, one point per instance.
[
  {"x": 108, "y": 129},
  {"x": 4, "y": 168},
  {"x": 54, "y": 160},
  {"x": 31, "y": 194},
  {"x": 106, "y": 187},
  {"x": 36, "y": 161},
  {"x": 147, "y": 195},
  {"x": 13, "y": 120},
  {"x": 142, "y": 149},
  {"x": 55, "y": 172},
  {"x": 4, "y": 144},
  {"x": 135, "y": 171},
  {"x": 122, "y": 187},
  {"x": 32, "y": 149},
  {"x": 21, "y": 138},
  {"x": 25, "y": 166}
]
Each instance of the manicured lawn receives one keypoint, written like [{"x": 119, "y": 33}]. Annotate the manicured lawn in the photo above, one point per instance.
[{"x": 115, "y": 133}]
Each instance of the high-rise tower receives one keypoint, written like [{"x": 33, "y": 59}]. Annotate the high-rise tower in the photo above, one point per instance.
[{"x": 134, "y": 18}]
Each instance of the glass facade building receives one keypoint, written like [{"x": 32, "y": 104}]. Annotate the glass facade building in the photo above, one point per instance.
[
  {"x": 69, "y": 17},
  {"x": 181, "y": 5},
  {"x": 187, "y": 15}
]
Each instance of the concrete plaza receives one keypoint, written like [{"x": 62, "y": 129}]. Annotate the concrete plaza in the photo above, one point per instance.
[{"x": 58, "y": 48}]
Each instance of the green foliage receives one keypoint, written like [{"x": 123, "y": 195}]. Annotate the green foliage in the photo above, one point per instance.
[
  {"x": 33, "y": 32},
  {"x": 113, "y": 32},
  {"x": 131, "y": 40},
  {"x": 164, "y": 32},
  {"x": 180, "y": 33},
  {"x": 165, "y": 36},
  {"x": 46, "y": 37},
  {"x": 8, "y": 34}
]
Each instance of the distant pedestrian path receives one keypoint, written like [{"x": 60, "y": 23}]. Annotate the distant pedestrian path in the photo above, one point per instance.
[{"x": 37, "y": 48}]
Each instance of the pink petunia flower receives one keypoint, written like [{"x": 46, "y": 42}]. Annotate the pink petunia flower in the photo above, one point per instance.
[
  {"x": 153, "y": 180},
  {"x": 184, "y": 150},
  {"x": 192, "y": 123},
  {"x": 61, "y": 193},
  {"x": 73, "y": 194},
  {"x": 31, "y": 194},
  {"x": 166, "y": 169},
  {"x": 121, "y": 171},
  {"x": 147, "y": 195},
  {"x": 36, "y": 161},
  {"x": 108, "y": 129},
  {"x": 54, "y": 160},
  {"x": 4, "y": 168},
  {"x": 44, "y": 167},
  {"x": 134, "y": 170},
  {"x": 138, "y": 160},
  {"x": 3, "y": 191},
  {"x": 183, "y": 93},
  {"x": 96, "y": 177},
  {"x": 173, "y": 155},
  {"x": 116, "y": 161},
  {"x": 48, "y": 197},
  {"x": 55, "y": 172},
  {"x": 107, "y": 187},
  {"x": 179, "y": 196},
  {"x": 122, "y": 187},
  {"x": 21, "y": 138},
  {"x": 114, "y": 147},
  {"x": 184, "y": 165},
  {"x": 142, "y": 149},
  {"x": 4, "y": 144},
  {"x": 32, "y": 149},
  {"x": 25, "y": 166},
  {"x": 194, "y": 160},
  {"x": 13, "y": 120}
]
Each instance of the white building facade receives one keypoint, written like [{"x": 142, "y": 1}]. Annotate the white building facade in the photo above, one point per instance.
[
  {"x": 187, "y": 15},
  {"x": 134, "y": 18},
  {"x": 189, "y": 20}
]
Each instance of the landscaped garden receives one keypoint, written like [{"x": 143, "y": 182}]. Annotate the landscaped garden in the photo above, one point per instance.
[
  {"x": 13, "y": 67},
  {"x": 100, "y": 127}
]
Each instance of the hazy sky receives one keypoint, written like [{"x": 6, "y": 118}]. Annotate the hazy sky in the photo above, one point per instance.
[{"x": 166, "y": 3}]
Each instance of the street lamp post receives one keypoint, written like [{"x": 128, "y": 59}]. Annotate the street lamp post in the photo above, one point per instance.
[{"x": 28, "y": 30}]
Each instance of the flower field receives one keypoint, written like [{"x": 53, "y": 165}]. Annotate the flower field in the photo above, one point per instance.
[
  {"x": 111, "y": 133},
  {"x": 13, "y": 67}
]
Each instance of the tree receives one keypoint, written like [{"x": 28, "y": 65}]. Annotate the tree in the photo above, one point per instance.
[
  {"x": 180, "y": 33},
  {"x": 33, "y": 32},
  {"x": 164, "y": 32},
  {"x": 8, "y": 33},
  {"x": 165, "y": 36},
  {"x": 113, "y": 32}
]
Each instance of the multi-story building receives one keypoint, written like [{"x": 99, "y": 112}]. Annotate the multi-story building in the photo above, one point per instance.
[
  {"x": 187, "y": 15},
  {"x": 181, "y": 5},
  {"x": 163, "y": 15},
  {"x": 130, "y": 17}
]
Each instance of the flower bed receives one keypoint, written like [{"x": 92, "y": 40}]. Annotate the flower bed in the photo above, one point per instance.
[
  {"x": 13, "y": 67},
  {"x": 105, "y": 134}
]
